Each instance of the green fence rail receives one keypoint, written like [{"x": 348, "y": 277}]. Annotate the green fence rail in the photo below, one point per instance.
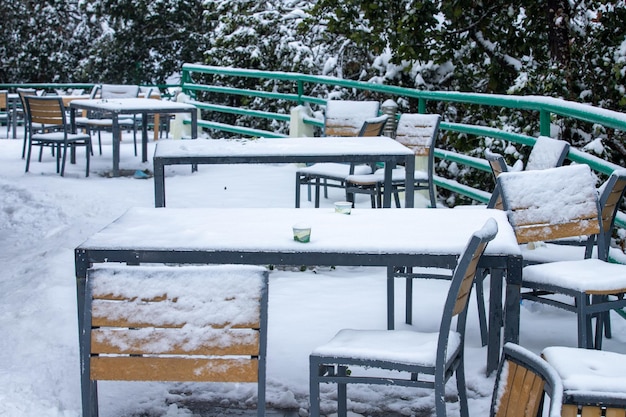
[
  {"x": 547, "y": 110},
  {"x": 296, "y": 86}
]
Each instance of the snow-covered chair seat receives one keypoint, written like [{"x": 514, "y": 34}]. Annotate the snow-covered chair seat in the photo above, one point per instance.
[
  {"x": 594, "y": 382},
  {"x": 417, "y": 132},
  {"x": 422, "y": 360},
  {"x": 343, "y": 118},
  {"x": 174, "y": 323},
  {"x": 558, "y": 203}
]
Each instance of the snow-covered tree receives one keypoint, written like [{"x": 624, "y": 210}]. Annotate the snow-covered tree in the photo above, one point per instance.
[
  {"x": 42, "y": 41},
  {"x": 144, "y": 41}
]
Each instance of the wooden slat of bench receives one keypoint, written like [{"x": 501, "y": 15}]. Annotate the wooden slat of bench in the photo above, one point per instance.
[
  {"x": 173, "y": 369},
  {"x": 162, "y": 314},
  {"x": 175, "y": 342}
]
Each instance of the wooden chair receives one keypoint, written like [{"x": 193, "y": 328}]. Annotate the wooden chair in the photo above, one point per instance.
[
  {"x": 498, "y": 166},
  {"x": 174, "y": 323},
  {"x": 594, "y": 382},
  {"x": 423, "y": 360},
  {"x": 5, "y": 113},
  {"x": 23, "y": 92},
  {"x": 342, "y": 118},
  {"x": 559, "y": 203},
  {"x": 319, "y": 174},
  {"x": 545, "y": 153},
  {"x": 418, "y": 132},
  {"x": 48, "y": 113},
  {"x": 523, "y": 382}
]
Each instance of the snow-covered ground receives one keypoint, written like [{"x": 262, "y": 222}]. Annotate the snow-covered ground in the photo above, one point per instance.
[{"x": 43, "y": 217}]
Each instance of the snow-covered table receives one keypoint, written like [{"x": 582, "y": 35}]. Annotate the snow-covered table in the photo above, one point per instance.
[
  {"x": 113, "y": 108},
  {"x": 285, "y": 150},
  {"x": 263, "y": 236}
]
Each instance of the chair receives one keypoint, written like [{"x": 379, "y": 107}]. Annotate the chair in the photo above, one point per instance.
[
  {"x": 523, "y": 382},
  {"x": 23, "y": 92},
  {"x": 342, "y": 118},
  {"x": 559, "y": 203},
  {"x": 426, "y": 360},
  {"x": 49, "y": 112},
  {"x": 174, "y": 323},
  {"x": 5, "y": 113},
  {"x": 594, "y": 382},
  {"x": 418, "y": 132},
  {"x": 337, "y": 172},
  {"x": 99, "y": 123},
  {"x": 545, "y": 153},
  {"x": 610, "y": 196}
]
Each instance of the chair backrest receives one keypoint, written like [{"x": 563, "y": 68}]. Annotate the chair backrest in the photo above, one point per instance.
[
  {"x": 95, "y": 90},
  {"x": 23, "y": 92},
  {"x": 547, "y": 153},
  {"x": 523, "y": 382},
  {"x": 552, "y": 203},
  {"x": 418, "y": 132},
  {"x": 374, "y": 126},
  {"x": 462, "y": 282},
  {"x": 45, "y": 110},
  {"x": 346, "y": 117},
  {"x": 611, "y": 193},
  {"x": 118, "y": 91},
  {"x": 192, "y": 323},
  {"x": 4, "y": 98},
  {"x": 498, "y": 166}
]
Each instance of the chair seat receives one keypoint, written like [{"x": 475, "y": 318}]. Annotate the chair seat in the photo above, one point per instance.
[
  {"x": 109, "y": 122},
  {"x": 403, "y": 346},
  {"x": 586, "y": 371},
  {"x": 398, "y": 175},
  {"x": 60, "y": 137},
  {"x": 585, "y": 275},
  {"x": 333, "y": 170}
]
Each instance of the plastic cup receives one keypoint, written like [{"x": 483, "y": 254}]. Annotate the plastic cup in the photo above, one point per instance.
[
  {"x": 343, "y": 207},
  {"x": 301, "y": 233}
]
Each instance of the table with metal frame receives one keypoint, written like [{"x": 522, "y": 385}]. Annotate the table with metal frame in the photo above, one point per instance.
[
  {"x": 263, "y": 236},
  {"x": 113, "y": 108},
  {"x": 359, "y": 150}
]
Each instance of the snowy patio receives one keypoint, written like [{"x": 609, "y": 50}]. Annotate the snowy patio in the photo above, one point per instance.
[{"x": 45, "y": 216}]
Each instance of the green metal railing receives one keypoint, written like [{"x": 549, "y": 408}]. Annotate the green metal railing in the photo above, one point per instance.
[{"x": 296, "y": 84}]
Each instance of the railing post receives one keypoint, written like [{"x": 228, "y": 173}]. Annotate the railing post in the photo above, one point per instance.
[
  {"x": 544, "y": 123},
  {"x": 421, "y": 105},
  {"x": 300, "y": 92}
]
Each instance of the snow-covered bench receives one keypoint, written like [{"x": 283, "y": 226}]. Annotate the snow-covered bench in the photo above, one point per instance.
[{"x": 174, "y": 323}]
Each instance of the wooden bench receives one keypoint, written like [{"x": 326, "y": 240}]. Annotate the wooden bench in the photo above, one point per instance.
[{"x": 174, "y": 323}]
